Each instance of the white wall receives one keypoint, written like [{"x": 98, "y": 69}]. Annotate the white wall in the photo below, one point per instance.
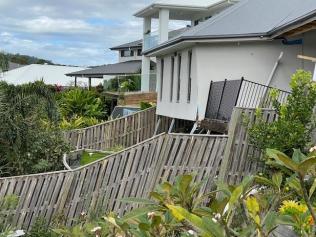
[
  {"x": 124, "y": 59},
  {"x": 253, "y": 61},
  {"x": 176, "y": 108}
]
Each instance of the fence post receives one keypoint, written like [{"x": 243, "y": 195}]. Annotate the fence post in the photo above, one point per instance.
[{"x": 230, "y": 143}]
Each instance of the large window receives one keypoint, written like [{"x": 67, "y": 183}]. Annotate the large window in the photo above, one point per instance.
[
  {"x": 139, "y": 52},
  {"x": 127, "y": 53},
  {"x": 179, "y": 77},
  {"x": 189, "y": 76},
  {"x": 162, "y": 65},
  {"x": 171, "y": 78}
]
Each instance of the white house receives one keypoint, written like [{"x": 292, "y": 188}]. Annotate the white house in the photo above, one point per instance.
[
  {"x": 51, "y": 74},
  {"x": 256, "y": 40},
  {"x": 165, "y": 11}
]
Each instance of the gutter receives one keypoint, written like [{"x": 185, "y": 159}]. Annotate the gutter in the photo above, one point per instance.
[{"x": 207, "y": 39}]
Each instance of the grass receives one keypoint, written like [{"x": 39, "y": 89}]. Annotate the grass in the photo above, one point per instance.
[{"x": 87, "y": 158}]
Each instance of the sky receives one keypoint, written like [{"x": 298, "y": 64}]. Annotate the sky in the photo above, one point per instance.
[{"x": 71, "y": 32}]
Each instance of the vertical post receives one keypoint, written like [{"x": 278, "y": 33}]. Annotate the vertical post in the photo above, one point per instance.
[
  {"x": 229, "y": 149},
  {"x": 146, "y": 60},
  {"x": 208, "y": 102},
  {"x": 239, "y": 89},
  {"x": 220, "y": 101},
  {"x": 163, "y": 25},
  {"x": 75, "y": 81},
  {"x": 171, "y": 125},
  {"x": 89, "y": 83}
]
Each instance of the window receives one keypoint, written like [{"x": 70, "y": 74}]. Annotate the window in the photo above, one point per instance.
[
  {"x": 179, "y": 78},
  {"x": 127, "y": 53},
  {"x": 139, "y": 52},
  {"x": 171, "y": 78},
  {"x": 189, "y": 76},
  {"x": 162, "y": 65}
]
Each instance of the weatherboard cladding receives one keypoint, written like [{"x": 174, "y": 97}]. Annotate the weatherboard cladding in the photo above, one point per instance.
[{"x": 249, "y": 18}]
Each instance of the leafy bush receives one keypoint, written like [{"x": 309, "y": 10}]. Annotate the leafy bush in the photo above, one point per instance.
[
  {"x": 81, "y": 103},
  {"x": 145, "y": 105},
  {"x": 30, "y": 140},
  {"x": 78, "y": 122},
  {"x": 296, "y": 119}
]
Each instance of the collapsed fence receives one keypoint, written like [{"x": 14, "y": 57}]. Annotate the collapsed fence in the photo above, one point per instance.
[{"x": 133, "y": 172}]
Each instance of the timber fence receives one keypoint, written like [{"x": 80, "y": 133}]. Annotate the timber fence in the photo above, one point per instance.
[
  {"x": 133, "y": 172},
  {"x": 125, "y": 131}
]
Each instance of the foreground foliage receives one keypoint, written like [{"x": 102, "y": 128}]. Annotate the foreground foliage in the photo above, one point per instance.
[{"x": 296, "y": 119}]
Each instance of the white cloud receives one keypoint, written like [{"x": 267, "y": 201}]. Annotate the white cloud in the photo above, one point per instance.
[{"x": 46, "y": 24}]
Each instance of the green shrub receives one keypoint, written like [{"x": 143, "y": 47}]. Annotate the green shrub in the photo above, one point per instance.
[
  {"x": 295, "y": 122},
  {"x": 30, "y": 140},
  {"x": 81, "y": 103},
  {"x": 145, "y": 105}
]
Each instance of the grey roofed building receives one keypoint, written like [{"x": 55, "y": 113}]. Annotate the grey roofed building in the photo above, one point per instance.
[
  {"x": 134, "y": 44},
  {"x": 123, "y": 68},
  {"x": 248, "y": 18}
]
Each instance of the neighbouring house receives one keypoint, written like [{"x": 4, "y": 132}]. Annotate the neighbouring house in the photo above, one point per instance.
[
  {"x": 129, "y": 63},
  {"x": 189, "y": 12},
  {"x": 50, "y": 74},
  {"x": 233, "y": 58}
]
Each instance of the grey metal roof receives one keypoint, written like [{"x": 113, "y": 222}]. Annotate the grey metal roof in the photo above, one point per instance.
[
  {"x": 129, "y": 67},
  {"x": 134, "y": 44},
  {"x": 250, "y": 18}
]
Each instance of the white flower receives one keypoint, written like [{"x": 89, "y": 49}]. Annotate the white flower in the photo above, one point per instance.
[
  {"x": 218, "y": 216},
  {"x": 150, "y": 214},
  {"x": 192, "y": 232},
  {"x": 253, "y": 192},
  {"x": 95, "y": 229},
  {"x": 312, "y": 149},
  {"x": 90, "y": 153}
]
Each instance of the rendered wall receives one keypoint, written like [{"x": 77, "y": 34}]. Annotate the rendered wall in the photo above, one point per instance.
[{"x": 216, "y": 62}]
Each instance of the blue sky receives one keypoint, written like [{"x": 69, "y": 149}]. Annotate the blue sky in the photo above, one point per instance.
[{"x": 72, "y": 32}]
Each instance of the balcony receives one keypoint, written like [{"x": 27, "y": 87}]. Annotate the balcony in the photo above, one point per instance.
[
  {"x": 151, "y": 40},
  {"x": 227, "y": 94}
]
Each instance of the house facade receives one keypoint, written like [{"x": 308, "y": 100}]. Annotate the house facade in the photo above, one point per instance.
[
  {"x": 165, "y": 11},
  {"x": 253, "y": 40},
  {"x": 129, "y": 51}
]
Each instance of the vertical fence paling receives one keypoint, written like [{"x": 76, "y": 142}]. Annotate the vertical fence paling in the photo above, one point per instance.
[
  {"x": 241, "y": 158},
  {"x": 125, "y": 131}
]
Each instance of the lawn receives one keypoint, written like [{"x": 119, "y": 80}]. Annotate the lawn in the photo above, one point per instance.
[{"x": 88, "y": 157}]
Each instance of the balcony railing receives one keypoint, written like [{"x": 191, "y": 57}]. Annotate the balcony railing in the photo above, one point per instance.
[
  {"x": 151, "y": 39},
  {"x": 227, "y": 94}
]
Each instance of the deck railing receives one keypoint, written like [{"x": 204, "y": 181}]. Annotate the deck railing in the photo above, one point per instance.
[{"x": 227, "y": 94}]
